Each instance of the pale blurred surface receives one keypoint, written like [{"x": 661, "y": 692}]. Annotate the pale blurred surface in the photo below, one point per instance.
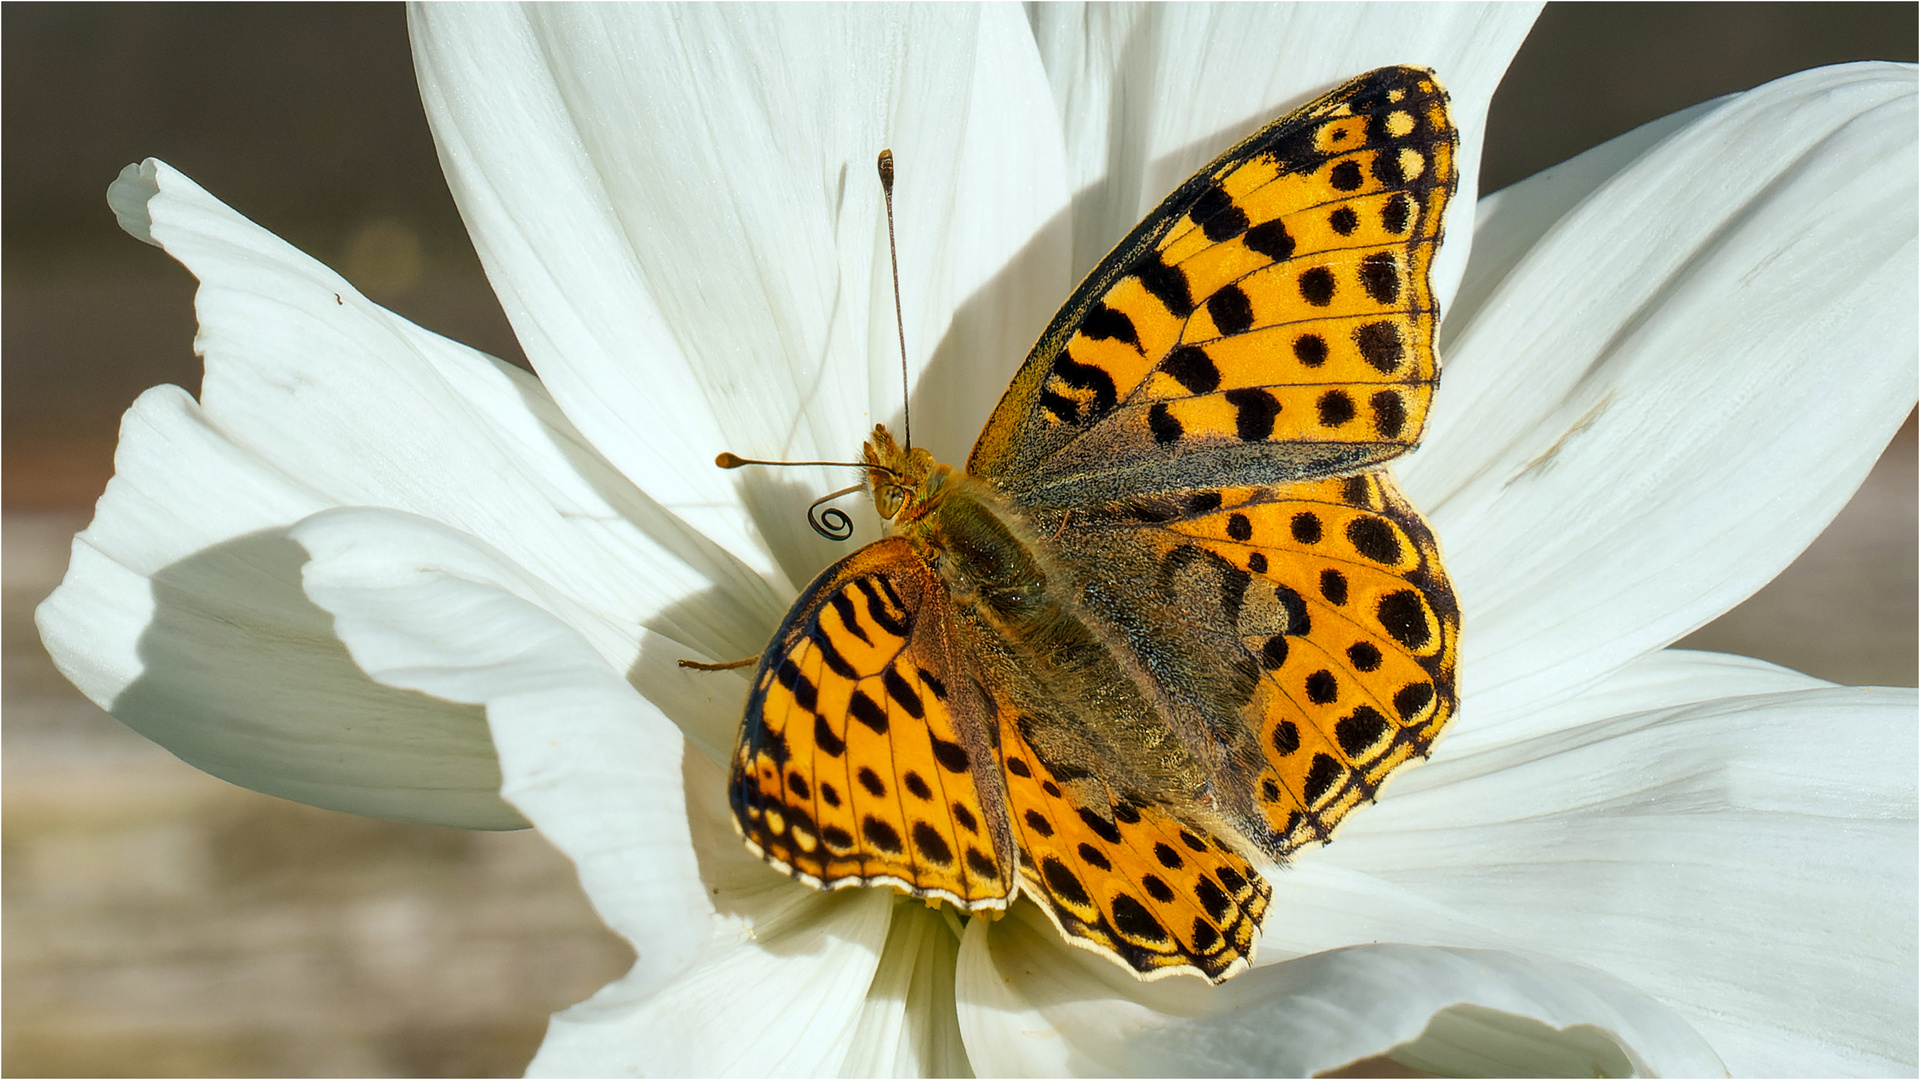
[{"x": 161, "y": 922}]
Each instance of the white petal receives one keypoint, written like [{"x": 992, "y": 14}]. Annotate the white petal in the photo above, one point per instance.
[
  {"x": 679, "y": 210},
  {"x": 1150, "y": 93},
  {"x": 909, "y": 1026},
  {"x": 425, "y": 608},
  {"x": 314, "y": 397},
  {"x": 1750, "y": 861},
  {"x": 603, "y": 775},
  {"x": 1658, "y": 680},
  {"x": 779, "y": 989},
  {"x": 1670, "y": 395},
  {"x": 1031, "y": 1005},
  {"x": 182, "y": 614}
]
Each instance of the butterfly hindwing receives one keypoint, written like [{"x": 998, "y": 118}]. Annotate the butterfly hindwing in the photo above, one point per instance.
[
  {"x": 1129, "y": 880},
  {"x": 1271, "y": 320},
  {"x": 1308, "y": 633},
  {"x": 863, "y": 759}
]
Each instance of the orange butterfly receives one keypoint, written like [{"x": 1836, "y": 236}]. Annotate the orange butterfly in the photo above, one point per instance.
[{"x": 1175, "y": 620}]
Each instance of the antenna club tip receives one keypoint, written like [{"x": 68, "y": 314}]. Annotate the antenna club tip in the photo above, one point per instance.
[
  {"x": 728, "y": 460},
  {"x": 886, "y": 169}
]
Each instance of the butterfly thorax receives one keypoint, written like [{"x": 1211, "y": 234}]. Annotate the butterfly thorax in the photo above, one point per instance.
[{"x": 1069, "y": 682}]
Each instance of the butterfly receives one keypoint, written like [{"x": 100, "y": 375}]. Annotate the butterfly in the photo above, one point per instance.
[{"x": 1175, "y": 619}]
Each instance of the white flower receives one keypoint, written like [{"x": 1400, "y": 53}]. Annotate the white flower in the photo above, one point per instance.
[{"x": 373, "y": 570}]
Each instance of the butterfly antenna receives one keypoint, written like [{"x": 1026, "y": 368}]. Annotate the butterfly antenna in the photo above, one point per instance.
[
  {"x": 899, "y": 320},
  {"x": 829, "y": 521}
]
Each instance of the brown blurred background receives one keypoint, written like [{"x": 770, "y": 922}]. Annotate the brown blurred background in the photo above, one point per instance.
[{"x": 161, "y": 922}]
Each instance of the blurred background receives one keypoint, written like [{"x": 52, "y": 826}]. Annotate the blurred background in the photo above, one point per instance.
[{"x": 161, "y": 922}]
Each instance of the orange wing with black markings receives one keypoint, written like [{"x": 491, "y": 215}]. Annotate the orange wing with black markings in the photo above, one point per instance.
[
  {"x": 1325, "y": 617},
  {"x": 1130, "y": 881},
  {"x": 1271, "y": 320},
  {"x": 863, "y": 759}
]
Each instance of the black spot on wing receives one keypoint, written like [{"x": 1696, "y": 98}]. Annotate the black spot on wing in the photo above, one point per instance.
[
  {"x": 1286, "y": 738},
  {"x": 1360, "y": 730},
  {"x": 1380, "y": 346},
  {"x": 1321, "y": 777},
  {"x": 1134, "y": 921},
  {"x": 1217, "y": 215},
  {"x": 1164, "y": 426},
  {"x": 1168, "y": 284},
  {"x": 1271, "y": 239},
  {"x": 981, "y": 865},
  {"x": 1380, "y": 276},
  {"x": 1411, "y": 698},
  {"x": 1404, "y": 617},
  {"x": 881, "y": 835},
  {"x": 1157, "y": 889},
  {"x": 1038, "y": 823},
  {"x": 1193, "y": 369},
  {"x": 1062, "y": 883},
  {"x": 1088, "y": 377},
  {"x": 1254, "y": 412},
  {"x": 1108, "y": 324},
  {"x": 868, "y": 712},
  {"x": 1389, "y": 413},
  {"x": 1335, "y": 408},
  {"x": 830, "y": 744},
  {"x": 1230, "y": 309},
  {"x": 917, "y": 786},
  {"x": 964, "y": 817},
  {"x": 1374, "y": 538},
  {"x": 1317, "y": 286},
  {"x": 1333, "y": 586},
  {"x": 1397, "y": 215},
  {"x": 1322, "y": 687},
  {"x": 903, "y": 694},
  {"x": 1105, "y": 829},
  {"x": 1298, "y": 621},
  {"x": 843, "y": 604},
  {"x": 951, "y": 755},
  {"x": 931, "y": 845}
]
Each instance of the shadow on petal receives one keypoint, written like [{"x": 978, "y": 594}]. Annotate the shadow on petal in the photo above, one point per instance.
[{"x": 243, "y": 677}]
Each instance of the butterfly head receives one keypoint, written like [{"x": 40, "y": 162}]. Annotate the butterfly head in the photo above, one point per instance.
[{"x": 900, "y": 479}]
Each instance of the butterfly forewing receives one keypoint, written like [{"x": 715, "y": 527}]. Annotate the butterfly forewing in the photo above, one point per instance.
[
  {"x": 1272, "y": 320},
  {"x": 863, "y": 759}
]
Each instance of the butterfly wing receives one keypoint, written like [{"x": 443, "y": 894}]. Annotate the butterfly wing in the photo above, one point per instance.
[
  {"x": 1271, "y": 320},
  {"x": 864, "y": 758},
  {"x": 1129, "y": 881},
  {"x": 1306, "y": 637}
]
